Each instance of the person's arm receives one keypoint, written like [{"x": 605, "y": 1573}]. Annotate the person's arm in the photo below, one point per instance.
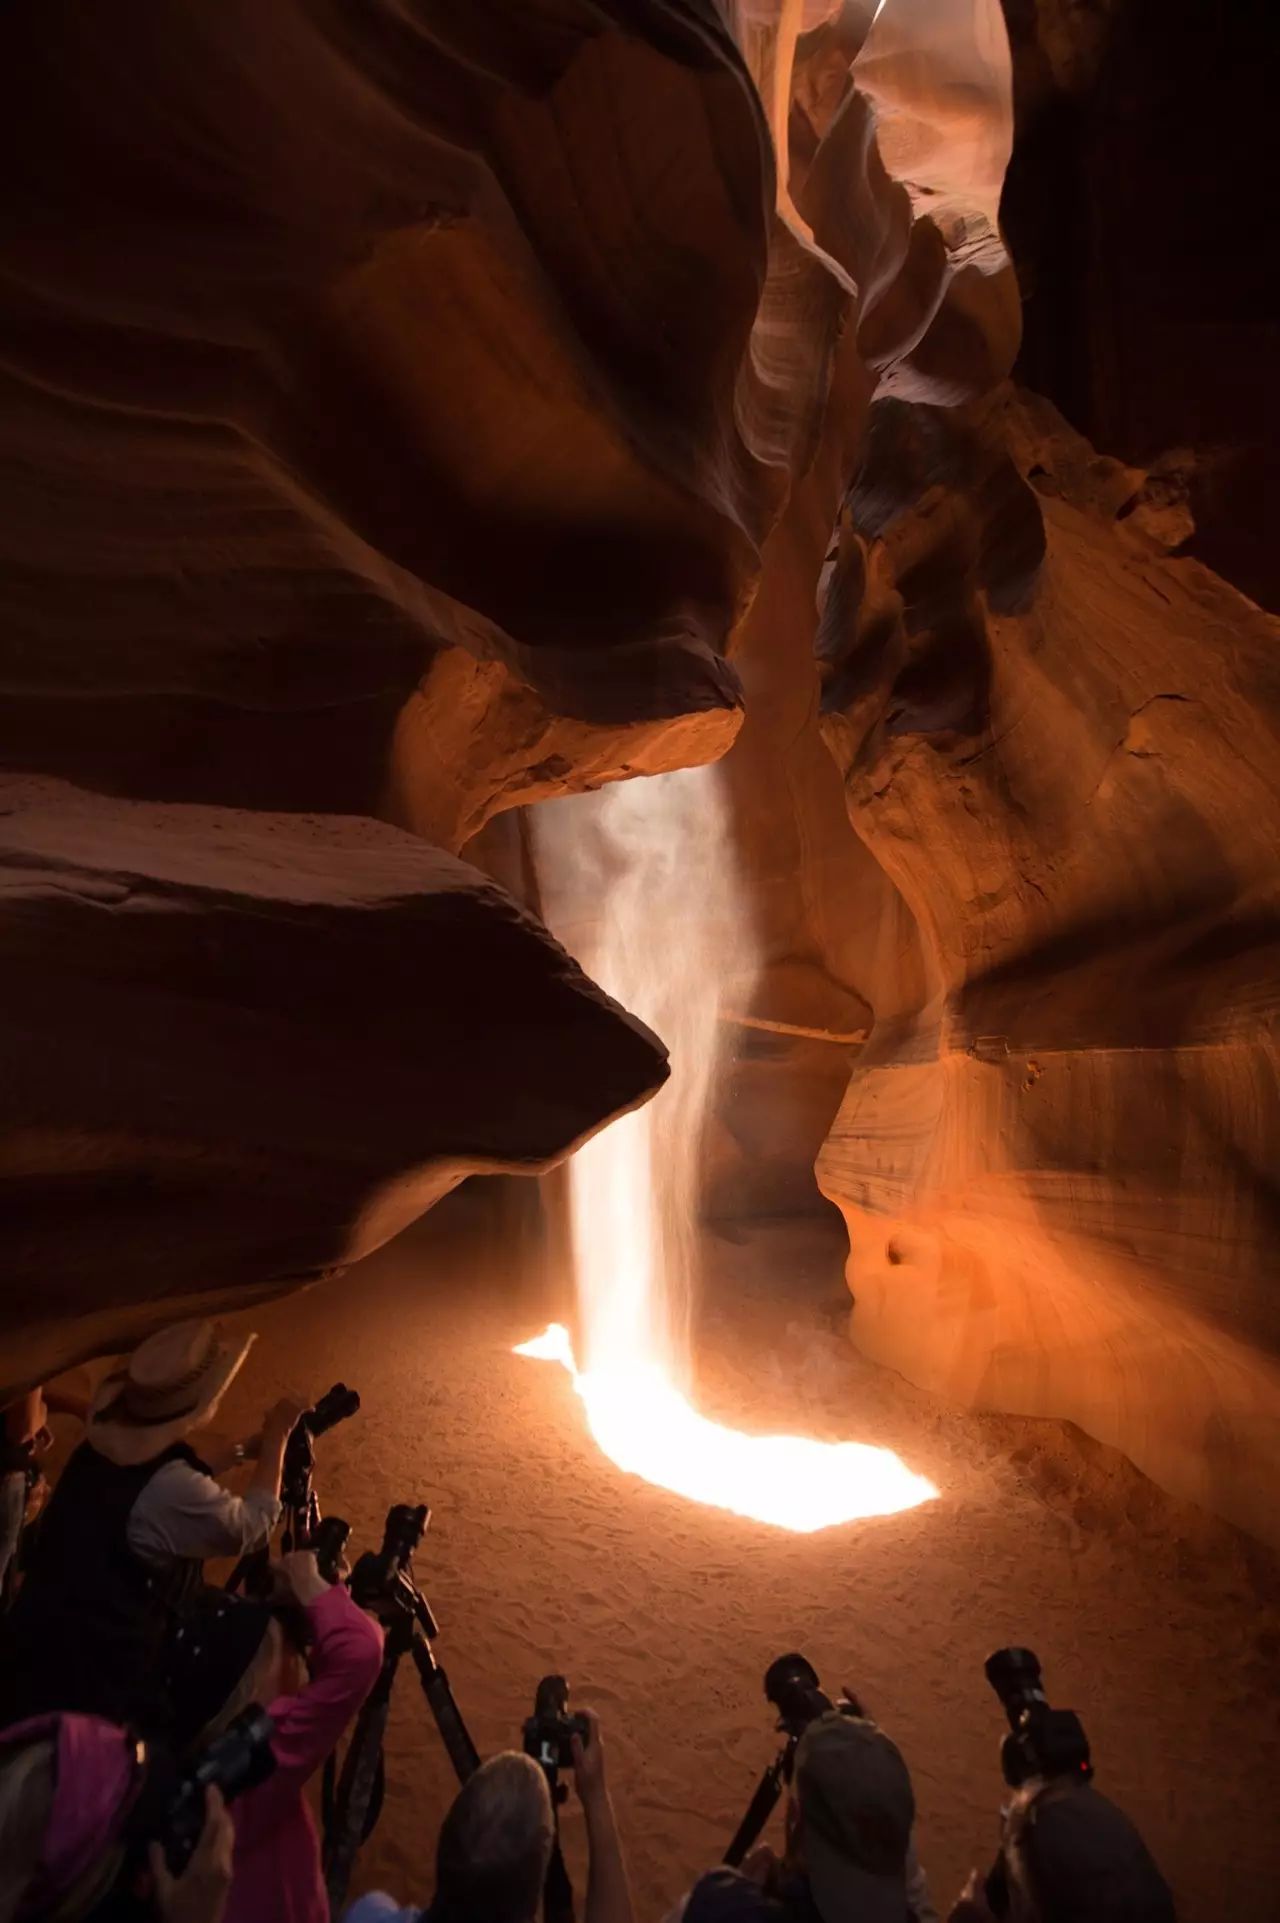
[
  {"x": 221, "y": 1453},
  {"x": 971, "y": 1904},
  {"x": 278, "y": 1425},
  {"x": 919, "y": 1900},
  {"x": 13, "y": 1503},
  {"x": 182, "y": 1512},
  {"x": 608, "y": 1891},
  {"x": 344, "y": 1660}
]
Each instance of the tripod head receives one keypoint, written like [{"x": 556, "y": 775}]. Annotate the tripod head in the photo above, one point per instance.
[{"x": 382, "y": 1581}]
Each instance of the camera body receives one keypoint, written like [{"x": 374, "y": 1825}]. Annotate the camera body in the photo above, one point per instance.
[
  {"x": 234, "y": 1762},
  {"x": 549, "y": 1732},
  {"x": 380, "y": 1581},
  {"x": 328, "y": 1543},
  {"x": 1042, "y": 1741}
]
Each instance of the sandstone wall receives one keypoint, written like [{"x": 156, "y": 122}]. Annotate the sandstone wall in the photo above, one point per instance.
[{"x": 1057, "y": 1171}]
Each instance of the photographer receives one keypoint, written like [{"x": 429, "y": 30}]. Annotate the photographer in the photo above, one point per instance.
[
  {"x": 496, "y": 1845},
  {"x": 311, "y": 1656},
  {"x": 127, "y": 1530},
  {"x": 1069, "y": 1856},
  {"x": 24, "y": 1437},
  {"x": 68, "y": 1788},
  {"x": 849, "y": 1854}
]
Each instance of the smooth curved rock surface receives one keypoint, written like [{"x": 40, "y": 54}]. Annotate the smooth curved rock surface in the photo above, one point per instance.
[
  {"x": 404, "y": 411},
  {"x": 347, "y": 366},
  {"x": 250, "y": 1048},
  {"x": 1058, "y": 1170},
  {"x": 1131, "y": 210},
  {"x": 1058, "y": 750}
]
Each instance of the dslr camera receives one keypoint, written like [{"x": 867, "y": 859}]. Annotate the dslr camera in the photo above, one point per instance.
[
  {"x": 234, "y": 1762},
  {"x": 1042, "y": 1741},
  {"x": 379, "y": 1579},
  {"x": 334, "y": 1406},
  {"x": 549, "y": 1732}
]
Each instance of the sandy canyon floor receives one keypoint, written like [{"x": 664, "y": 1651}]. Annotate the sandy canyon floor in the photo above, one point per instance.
[{"x": 1160, "y": 1627}]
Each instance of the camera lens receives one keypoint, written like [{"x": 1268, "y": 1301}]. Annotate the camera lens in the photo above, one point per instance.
[
  {"x": 552, "y": 1697},
  {"x": 334, "y": 1406},
  {"x": 785, "y": 1675},
  {"x": 1014, "y": 1674},
  {"x": 791, "y": 1685}
]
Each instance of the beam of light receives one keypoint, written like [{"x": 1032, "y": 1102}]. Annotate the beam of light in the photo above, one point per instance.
[
  {"x": 641, "y": 882},
  {"x": 644, "y": 1425}
]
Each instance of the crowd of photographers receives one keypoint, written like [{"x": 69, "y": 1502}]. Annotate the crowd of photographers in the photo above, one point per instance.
[{"x": 158, "y": 1734}]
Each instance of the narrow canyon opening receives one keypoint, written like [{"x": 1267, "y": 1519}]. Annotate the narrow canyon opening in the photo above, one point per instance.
[{"x": 638, "y": 811}]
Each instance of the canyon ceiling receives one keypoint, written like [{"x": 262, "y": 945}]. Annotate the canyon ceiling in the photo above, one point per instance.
[{"x": 411, "y": 412}]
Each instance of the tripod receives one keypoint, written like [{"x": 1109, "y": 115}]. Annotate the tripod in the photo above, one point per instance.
[
  {"x": 762, "y": 1804},
  {"x": 557, "y": 1890},
  {"x": 351, "y": 1811}
]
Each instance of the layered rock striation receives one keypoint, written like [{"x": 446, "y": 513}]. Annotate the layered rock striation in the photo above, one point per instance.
[{"x": 244, "y": 1049}]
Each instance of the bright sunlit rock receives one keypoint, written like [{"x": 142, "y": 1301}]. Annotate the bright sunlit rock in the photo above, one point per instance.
[{"x": 646, "y": 1426}]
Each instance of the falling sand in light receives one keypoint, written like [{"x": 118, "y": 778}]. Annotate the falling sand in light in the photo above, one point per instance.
[{"x": 640, "y": 882}]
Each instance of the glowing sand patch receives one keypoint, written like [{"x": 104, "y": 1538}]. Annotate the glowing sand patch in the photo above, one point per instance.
[{"x": 644, "y": 1425}]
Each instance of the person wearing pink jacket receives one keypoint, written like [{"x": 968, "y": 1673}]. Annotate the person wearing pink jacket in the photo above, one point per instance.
[{"x": 311, "y": 1658}]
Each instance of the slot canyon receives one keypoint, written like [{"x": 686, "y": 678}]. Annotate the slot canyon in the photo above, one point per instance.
[{"x": 640, "y": 696}]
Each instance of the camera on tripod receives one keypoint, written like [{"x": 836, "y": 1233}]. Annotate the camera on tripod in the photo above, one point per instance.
[
  {"x": 549, "y": 1732},
  {"x": 335, "y": 1405},
  {"x": 791, "y": 1685},
  {"x": 1042, "y": 1741},
  {"x": 379, "y": 1580},
  {"x": 237, "y": 1760},
  {"x": 383, "y": 1583},
  {"x": 303, "y": 1528}
]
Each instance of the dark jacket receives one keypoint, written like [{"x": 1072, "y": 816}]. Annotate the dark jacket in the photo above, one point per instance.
[{"x": 88, "y": 1627}]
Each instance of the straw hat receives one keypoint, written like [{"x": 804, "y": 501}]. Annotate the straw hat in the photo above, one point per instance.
[{"x": 171, "y": 1384}]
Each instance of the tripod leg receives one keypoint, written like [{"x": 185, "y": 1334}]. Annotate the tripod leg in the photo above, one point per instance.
[
  {"x": 454, "y": 1733},
  {"x": 759, "y": 1810},
  {"x": 356, "y": 1787},
  {"x": 557, "y": 1891}
]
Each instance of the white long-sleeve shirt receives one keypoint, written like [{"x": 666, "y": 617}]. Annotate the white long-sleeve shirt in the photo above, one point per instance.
[{"x": 182, "y": 1512}]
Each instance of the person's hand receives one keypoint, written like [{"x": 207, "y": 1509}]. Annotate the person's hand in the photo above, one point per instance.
[
  {"x": 759, "y": 1864},
  {"x": 281, "y": 1418},
  {"x": 37, "y": 1496},
  {"x": 299, "y": 1574},
  {"x": 588, "y": 1762},
  {"x": 200, "y": 1894},
  {"x": 971, "y": 1904}
]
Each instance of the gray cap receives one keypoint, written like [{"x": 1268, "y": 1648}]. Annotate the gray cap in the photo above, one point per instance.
[{"x": 857, "y": 1808}]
